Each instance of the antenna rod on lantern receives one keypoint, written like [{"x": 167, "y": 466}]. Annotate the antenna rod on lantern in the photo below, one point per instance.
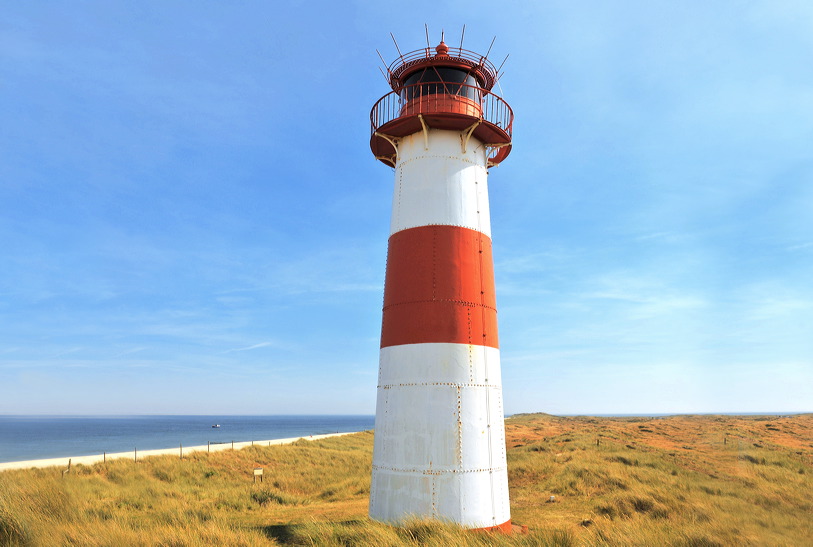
[
  {"x": 503, "y": 62},
  {"x": 489, "y": 48},
  {"x": 428, "y": 45},
  {"x": 401, "y": 55},
  {"x": 462, "y": 34},
  {"x": 385, "y": 63}
]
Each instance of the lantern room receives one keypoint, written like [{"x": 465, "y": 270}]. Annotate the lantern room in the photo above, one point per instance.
[{"x": 450, "y": 89}]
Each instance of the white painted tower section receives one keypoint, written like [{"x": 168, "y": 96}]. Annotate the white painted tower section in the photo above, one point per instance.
[{"x": 437, "y": 183}]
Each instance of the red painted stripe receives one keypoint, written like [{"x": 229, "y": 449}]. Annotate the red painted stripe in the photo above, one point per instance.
[{"x": 439, "y": 287}]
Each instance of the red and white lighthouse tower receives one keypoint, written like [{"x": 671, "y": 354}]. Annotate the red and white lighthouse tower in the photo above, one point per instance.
[{"x": 439, "y": 429}]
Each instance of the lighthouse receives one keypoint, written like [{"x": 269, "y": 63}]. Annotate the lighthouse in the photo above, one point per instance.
[{"x": 439, "y": 449}]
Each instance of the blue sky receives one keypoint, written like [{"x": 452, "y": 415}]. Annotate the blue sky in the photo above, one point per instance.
[{"x": 191, "y": 220}]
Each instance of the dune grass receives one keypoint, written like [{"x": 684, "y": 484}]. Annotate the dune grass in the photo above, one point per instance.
[
  {"x": 688, "y": 480},
  {"x": 692, "y": 480}
]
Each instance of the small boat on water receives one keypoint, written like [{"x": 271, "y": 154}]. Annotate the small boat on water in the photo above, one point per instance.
[{"x": 216, "y": 425}]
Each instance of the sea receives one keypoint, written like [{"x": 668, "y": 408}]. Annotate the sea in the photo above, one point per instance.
[{"x": 39, "y": 437}]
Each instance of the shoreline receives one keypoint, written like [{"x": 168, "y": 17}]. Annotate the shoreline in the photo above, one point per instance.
[{"x": 138, "y": 454}]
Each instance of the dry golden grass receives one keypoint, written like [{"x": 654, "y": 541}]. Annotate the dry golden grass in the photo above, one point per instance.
[
  {"x": 687, "y": 480},
  {"x": 682, "y": 480}
]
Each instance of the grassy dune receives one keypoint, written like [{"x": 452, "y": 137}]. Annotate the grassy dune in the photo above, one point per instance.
[{"x": 689, "y": 480}]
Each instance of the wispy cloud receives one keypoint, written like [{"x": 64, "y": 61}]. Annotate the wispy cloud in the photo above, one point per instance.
[
  {"x": 251, "y": 347},
  {"x": 128, "y": 352},
  {"x": 68, "y": 351}
]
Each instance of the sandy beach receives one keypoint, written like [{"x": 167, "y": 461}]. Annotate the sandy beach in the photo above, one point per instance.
[{"x": 133, "y": 454}]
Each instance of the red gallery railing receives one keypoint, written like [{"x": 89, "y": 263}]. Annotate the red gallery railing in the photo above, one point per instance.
[
  {"x": 441, "y": 105},
  {"x": 443, "y": 98}
]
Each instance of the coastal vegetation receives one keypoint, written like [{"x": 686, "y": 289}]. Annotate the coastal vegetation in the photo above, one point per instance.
[{"x": 680, "y": 480}]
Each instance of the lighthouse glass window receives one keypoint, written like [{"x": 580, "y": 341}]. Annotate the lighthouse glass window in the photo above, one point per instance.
[{"x": 440, "y": 80}]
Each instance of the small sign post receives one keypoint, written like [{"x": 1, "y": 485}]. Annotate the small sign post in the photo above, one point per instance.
[{"x": 258, "y": 472}]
